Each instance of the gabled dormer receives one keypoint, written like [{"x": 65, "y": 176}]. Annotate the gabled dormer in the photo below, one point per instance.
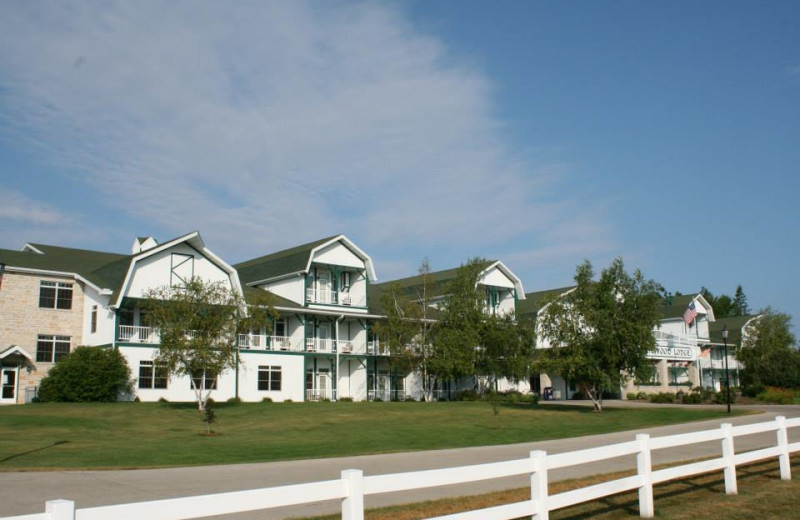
[{"x": 325, "y": 274}]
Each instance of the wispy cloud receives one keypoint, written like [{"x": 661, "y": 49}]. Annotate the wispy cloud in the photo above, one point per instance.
[
  {"x": 266, "y": 123},
  {"x": 18, "y": 208}
]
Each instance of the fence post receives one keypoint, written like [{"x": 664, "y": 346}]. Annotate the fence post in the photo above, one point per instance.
[
  {"x": 728, "y": 454},
  {"x": 644, "y": 468},
  {"x": 60, "y": 509},
  {"x": 539, "y": 485},
  {"x": 353, "y": 503},
  {"x": 783, "y": 447}
]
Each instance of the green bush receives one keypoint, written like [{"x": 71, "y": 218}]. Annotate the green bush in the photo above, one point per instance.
[
  {"x": 266, "y": 400},
  {"x": 468, "y": 395},
  {"x": 346, "y": 400},
  {"x": 662, "y": 397},
  {"x": 578, "y": 396},
  {"x": 720, "y": 397},
  {"x": 753, "y": 390},
  {"x": 234, "y": 400},
  {"x": 631, "y": 396},
  {"x": 777, "y": 395},
  {"x": 693, "y": 398},
  {"x": 88, "y": 374},
  {"x": 642, "y": 396}
]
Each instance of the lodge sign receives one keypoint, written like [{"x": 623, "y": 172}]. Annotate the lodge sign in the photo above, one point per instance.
[{"x": 672, "y": 353}]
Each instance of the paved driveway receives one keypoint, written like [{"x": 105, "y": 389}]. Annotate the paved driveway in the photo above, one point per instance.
[{"x": 26, "y": 492}]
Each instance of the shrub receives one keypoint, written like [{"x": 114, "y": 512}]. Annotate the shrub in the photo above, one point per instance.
[
  {"x": 578, "y": 396},
  {"x": 468, "y": 395},
  {"x": 753, "y": 390},
  {"x": 162, "y": 400},
  {"x": 285, "y": 400},
  {"x": 88, "y": 374},
  {"x": 720, "y": 397},
  {"x": 346, "y": 400},
  {"x": 642, "y": 396},
  {"x": 631, "y": 396},
  {"x": 777, "y": 395},
  {"x": 693, "y": 398},
  {"x": 662, "y": 397},
  {"x": 266, "y": 400},
  {"x": 234, "y": 400}
]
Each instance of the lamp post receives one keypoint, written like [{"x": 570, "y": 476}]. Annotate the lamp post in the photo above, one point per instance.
[{"x": 727, "y": 373}]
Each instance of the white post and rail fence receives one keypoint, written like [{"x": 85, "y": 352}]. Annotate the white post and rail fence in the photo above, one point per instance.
[{"x": 353, "y": 486}]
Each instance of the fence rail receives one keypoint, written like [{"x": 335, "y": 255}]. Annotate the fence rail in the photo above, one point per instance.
[{"x": 351, "y": 488}]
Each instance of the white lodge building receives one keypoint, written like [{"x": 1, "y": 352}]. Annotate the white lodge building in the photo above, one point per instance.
[{"x": 322, "y": 345}]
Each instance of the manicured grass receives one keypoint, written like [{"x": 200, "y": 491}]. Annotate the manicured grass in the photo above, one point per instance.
[
  {"x": 129, "y": 435},
  {"x": 761, "y": 495}
]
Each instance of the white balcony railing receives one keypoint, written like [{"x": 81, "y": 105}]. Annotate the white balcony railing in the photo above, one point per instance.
[
  {"x": 320, "y": 345},
  {"x": 345, "y": 298},
  {"x": 718, "y": 364},
  {"x": 136, "y": 334},
  {"x": 374, "y": 348},
  {"x": 319, "y": 394},
  {"x": 262, "y": 342}
]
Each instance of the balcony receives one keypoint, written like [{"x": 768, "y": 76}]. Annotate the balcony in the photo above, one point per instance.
[
  {"x": 718, "y": 364},
  {"x": 345, "y": 298},
  {"x": 374, "y": 348},
  {"x": 136, "y": 334},
  {"x": 320, "y": 393},
  {"x": 320, "y": 345}
]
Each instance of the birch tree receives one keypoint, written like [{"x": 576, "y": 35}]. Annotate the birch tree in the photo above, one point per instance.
[
  {"x": 601, "y": 332},
  {"x": 199, "y": 325}
]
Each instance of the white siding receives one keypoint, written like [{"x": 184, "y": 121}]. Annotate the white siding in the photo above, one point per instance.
[
  {"x": 290, "y": 288},
  {"x": 496, "y": 278},
  {"x": 156, "y": 271},
  {"x": 105, "y": 318},
  {"x": 338, "y": 254}
]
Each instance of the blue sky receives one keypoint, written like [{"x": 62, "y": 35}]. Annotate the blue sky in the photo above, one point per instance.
[{"x": 540, "y": 133}]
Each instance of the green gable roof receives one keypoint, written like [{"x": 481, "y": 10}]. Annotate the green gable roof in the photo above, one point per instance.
[
  {"x": 675, "y": 306},
  {"x": 91, "y": 265},
  {"x": 734, "y": 324},
  {"x": 440, "y": 280},
  {"x": 280, "y": 263},
  {"x": 534, "y": 301}
]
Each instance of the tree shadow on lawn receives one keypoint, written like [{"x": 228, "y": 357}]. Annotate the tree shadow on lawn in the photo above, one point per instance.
[
  {"x": 713, "y": 483},
  {"x": 35, "y": 450}
]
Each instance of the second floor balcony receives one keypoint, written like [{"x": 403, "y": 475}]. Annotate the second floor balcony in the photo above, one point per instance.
[{"x": 327, "y": 297}]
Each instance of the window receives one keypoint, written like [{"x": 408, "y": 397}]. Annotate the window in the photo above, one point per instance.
[
  {"x": 93, "y": 324},
  {"x": 344, "y": 279},
  {"x": 152, "y": 375},
  {"x": 269, "y": 378},
  {"x": 209, "y": 382},
  {"x": 55, "y": 295},
  {"x": 51, "y": 349}
]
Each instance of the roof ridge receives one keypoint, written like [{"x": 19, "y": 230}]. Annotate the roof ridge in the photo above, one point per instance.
[{"x": 284, "y": 252}]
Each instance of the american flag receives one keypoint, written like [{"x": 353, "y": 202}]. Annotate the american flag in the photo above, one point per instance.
[{"x": 690, "y": 314}]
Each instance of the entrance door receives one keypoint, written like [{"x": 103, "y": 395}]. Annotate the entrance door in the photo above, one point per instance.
[{"x": 8, "y": 392}]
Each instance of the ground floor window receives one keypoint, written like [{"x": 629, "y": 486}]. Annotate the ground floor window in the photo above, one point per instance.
[
  {"x": 204, "y": 380},
  {"x": 269, "y": 378},
  {"x": 51, "y": 349},
  {"x": 152, "y": 376},
  {"x": 678, "y": 375}
]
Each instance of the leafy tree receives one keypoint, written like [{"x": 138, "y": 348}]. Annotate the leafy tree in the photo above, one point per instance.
[
  {"x": 769, "y": 352},
  {"x": 507, "y": 348},
  {"x": 410, "y": 325},
  {"x": 461, "y": 316},
  {"x": 601, "y": 331},
  {"x": 199, "y": 326},
  {"x": 739, "y": 306},
  {"x": 87, "y": 374}
]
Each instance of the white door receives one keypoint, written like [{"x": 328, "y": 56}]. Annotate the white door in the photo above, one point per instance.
[
  {"x": 324, "y": 335},
  {"x": 324, "y": 287},
  {"x": 324, "y": 385},
  {"x": 8, "y": 391}
]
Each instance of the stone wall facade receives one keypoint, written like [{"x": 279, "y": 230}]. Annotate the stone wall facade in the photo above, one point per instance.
[{"x": 22, "y": 320}]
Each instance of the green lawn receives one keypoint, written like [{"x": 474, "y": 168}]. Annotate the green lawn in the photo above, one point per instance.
[{"x": 128, "y": 435}]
